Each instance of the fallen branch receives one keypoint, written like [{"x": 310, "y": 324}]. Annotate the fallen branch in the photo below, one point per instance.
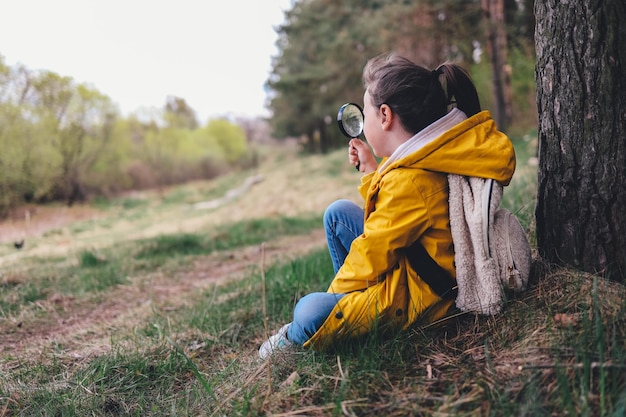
[{"x": 231, "y": 194}]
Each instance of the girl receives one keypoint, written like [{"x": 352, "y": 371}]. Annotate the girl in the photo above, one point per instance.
[{"x": 394, "y": 256}]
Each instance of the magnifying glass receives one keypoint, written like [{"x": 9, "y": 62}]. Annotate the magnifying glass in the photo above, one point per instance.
[{"x": 350, "y": 119}]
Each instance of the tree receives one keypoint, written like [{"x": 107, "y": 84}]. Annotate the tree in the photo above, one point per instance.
[
  {"x": 497, "y": 47},
  {"x": 324, "y": 44},
  {"x": 28, "y": 160},
  {"x": 581, "y": 79},
  {"x": 78, "y": 122},
  {"x": 319, "y": 60},
  {"x": 179, "y": 115}
]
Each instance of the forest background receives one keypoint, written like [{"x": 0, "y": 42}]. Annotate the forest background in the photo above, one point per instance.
[{"x": 64, "y": 141}]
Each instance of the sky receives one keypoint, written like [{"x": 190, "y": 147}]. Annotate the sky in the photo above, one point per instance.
[{"x": 214, "y": 54}]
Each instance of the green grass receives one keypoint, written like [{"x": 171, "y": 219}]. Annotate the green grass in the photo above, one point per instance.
[
  {"x": 122, "y": 383},
  {"x": 558, "y": 349},
  {"x": 17, "y": 294},
  {"x": 162, "y": 372},
  {"x": 201, "y": 360},
  {"x": 520, "y": 196}
]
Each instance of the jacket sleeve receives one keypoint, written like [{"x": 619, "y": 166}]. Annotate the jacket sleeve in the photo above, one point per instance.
[
  {"x": 399, "y": 217},
  {"x": 366, "y": 181}
]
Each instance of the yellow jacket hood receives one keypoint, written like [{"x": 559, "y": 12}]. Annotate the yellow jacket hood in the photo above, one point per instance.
[{"x": 473, "y": 148}]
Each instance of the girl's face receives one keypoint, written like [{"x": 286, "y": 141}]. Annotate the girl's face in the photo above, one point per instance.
[{"x": 372, "y": 126}]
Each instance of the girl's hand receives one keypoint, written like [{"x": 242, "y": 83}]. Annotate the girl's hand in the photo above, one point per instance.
[{"x": 360, "y": 155}]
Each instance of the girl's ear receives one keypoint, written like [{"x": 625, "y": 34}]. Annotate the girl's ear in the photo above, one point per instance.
[{"x": 386, "y": 117}]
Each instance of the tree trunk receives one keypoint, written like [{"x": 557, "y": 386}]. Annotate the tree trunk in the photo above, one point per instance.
[
  {"x": 496, "y": 45},
  {"x": 581, "y": 84}
]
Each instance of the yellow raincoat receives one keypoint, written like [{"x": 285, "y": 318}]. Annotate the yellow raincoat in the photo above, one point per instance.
[{"x": 408, "y": 201}]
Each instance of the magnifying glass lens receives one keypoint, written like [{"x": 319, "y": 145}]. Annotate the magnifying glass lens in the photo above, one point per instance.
[{"x": 350, "y": 119}]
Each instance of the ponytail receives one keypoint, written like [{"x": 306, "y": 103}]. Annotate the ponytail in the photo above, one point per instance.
[
  {"x": 418, "y": 95},
  {"x": 459, "y": 88}
]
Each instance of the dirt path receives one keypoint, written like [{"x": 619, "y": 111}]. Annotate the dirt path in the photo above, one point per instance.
[
  {"x": 64, "y": 327},
  {"x": 80, "y": 328}
]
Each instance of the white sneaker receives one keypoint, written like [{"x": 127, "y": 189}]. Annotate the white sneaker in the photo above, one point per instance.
[{"x": 276, "y": 342}]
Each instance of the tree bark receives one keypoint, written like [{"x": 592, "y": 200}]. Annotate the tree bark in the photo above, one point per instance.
[{"x": 581, "y": 84}]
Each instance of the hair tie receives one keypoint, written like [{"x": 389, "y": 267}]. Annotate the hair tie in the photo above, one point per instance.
[{"x": 436, "y": 72}]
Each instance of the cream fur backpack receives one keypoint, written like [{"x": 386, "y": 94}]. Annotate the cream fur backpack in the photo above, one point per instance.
[{"x": 492, "y": 253}]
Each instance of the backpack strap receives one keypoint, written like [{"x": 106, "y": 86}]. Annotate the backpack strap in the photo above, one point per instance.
[
  {"x": 437, "y": 278},
  {"x": 486, "y": 201}
]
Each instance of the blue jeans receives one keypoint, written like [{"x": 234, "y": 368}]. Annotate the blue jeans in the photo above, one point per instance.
[{"x": 343, "y": 222}]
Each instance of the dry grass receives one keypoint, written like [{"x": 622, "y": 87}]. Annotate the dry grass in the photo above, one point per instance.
[
  {"x": 557, "y": 349},
  {"x": 288, "y": 185}
]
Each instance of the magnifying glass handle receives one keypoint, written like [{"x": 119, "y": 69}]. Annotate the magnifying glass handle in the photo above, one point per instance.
[{"x": 358, "y": 163}]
